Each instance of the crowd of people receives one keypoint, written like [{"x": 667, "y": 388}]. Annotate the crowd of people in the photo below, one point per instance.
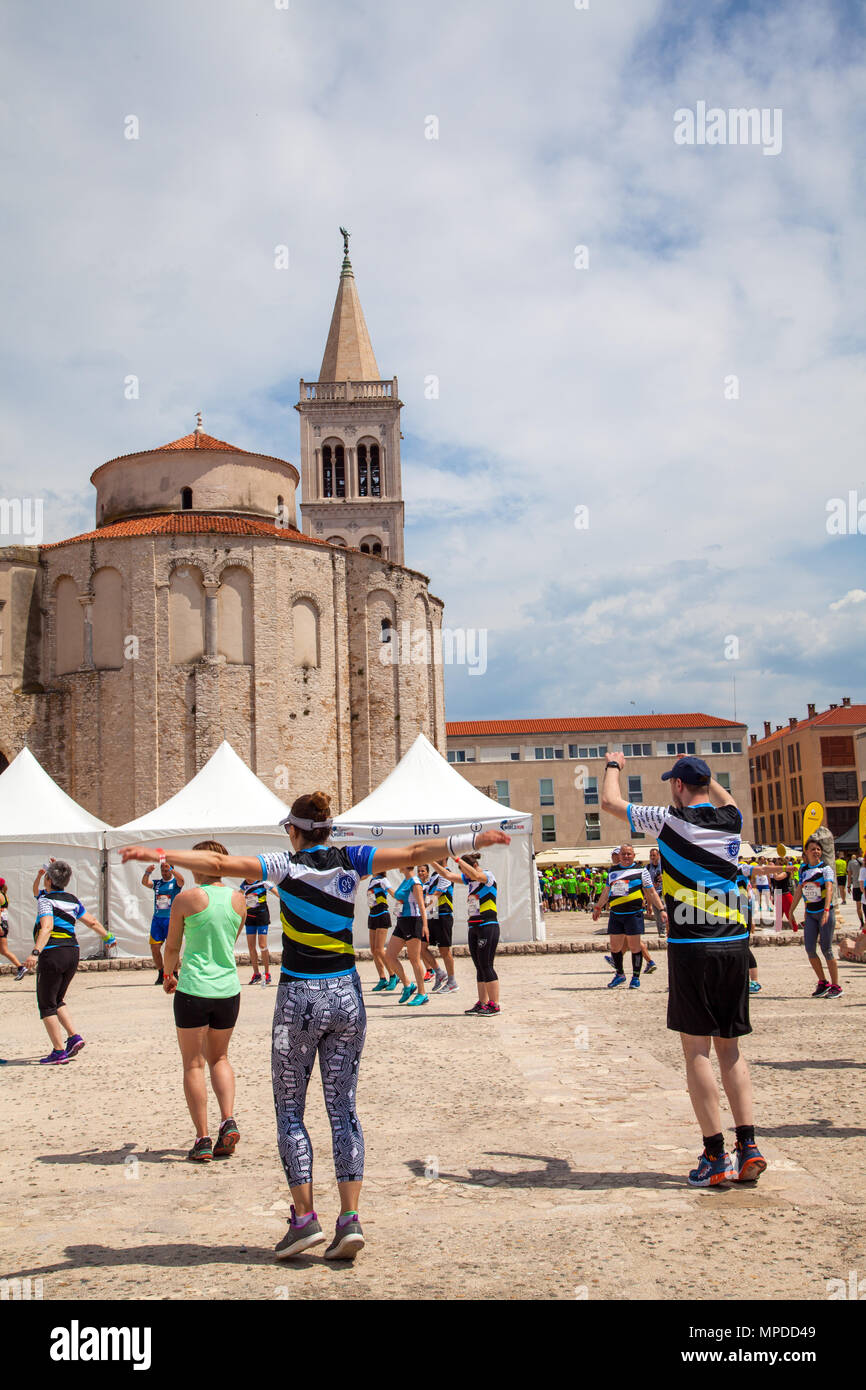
[{"x": 694, "y": 889}]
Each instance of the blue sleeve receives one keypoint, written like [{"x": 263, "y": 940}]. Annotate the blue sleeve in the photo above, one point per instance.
[
  {"x": 361, "y": 858},
  {"x": 80, "y": 910},
  {"x": 630, "y": 821}
]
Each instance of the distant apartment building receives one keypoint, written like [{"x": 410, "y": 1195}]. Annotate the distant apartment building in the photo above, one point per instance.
[
  {"x": 819, "y": 758},
  {"x": 553, "y": 768}
]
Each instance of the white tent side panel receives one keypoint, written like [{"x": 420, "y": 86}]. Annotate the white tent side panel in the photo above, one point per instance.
[
  {"x": 130, "y": 904},
  {"x": 21, "y": 859}
]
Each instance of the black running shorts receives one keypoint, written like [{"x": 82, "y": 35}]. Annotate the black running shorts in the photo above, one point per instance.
[
  {"x": 709, "y": 989},
  {"x": 625, "y": 923},
  {"x": 441, "y": 929},
  {"x": 194, "y": 1011},
  {"x": 379, "y": 921},
  {"x": 55, "y": 971},
  {"x": 409, "y": 929}
]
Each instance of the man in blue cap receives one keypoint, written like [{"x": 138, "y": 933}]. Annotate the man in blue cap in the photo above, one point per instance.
[{"x": 708, "y": 951}]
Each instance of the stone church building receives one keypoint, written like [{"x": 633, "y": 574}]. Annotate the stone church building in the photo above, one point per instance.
[{"x": 199, "y": 609}]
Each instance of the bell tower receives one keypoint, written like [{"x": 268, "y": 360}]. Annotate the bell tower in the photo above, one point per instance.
[{"x": 350, "y": 437}]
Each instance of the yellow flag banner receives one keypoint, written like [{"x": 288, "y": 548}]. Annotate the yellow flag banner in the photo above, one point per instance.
[
  {"x": 812, "y": 818},
  {"x": 863, "y": 825}
]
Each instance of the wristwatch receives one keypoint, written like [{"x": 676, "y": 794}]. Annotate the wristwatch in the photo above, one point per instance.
[
  {"x": 34, "y": 952},
  {"x": 616, "y": 765}
]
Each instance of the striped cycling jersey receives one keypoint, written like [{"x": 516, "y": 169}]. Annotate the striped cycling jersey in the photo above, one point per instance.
[
  {"x": 317, "y": 889},
  {"x": 405, "y": 894},
  {"x": 443, "y": 889},
  {"x": 482, "y": 899},
  {"x": 627, "y": 889},
  {"x": 702, "y": 881},
  {"x": 377, "y": 897},
  {"x": 64, "y": 909},
  {"x": 817, "y": 886},
  {"x": 256, "y": 894}
]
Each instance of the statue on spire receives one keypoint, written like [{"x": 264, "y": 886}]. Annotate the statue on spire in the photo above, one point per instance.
[{"x": 345, "y": 235}]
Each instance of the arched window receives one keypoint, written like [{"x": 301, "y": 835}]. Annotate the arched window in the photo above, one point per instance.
[
  {"x": 305, "y": 626},
  {"x": 235, "y": 606},
  {"x": 377, "y": 549},
  {"x": 68, "y": 627},
  {"x": 370, "y": 545},
  {"x": 386, "y": 630},
  {"x": 363, "y": 476},
  {"x": 186, "y": 615},
  {"x": 365, "y": 549},
  {"x": 375, "y": 478},
  {"x": 186, "y": 498},
  {"x": 107, "y": 619},
  {"x": 336, "y": 540},
  {"x": 339, "y": 471}
]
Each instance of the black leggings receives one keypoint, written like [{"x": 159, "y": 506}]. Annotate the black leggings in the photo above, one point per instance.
[
  {"x": 483, "y": 940},
  {"x": 54, "y": 974}
]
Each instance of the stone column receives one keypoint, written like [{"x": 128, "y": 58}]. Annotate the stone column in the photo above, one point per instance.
[
  {"x": 211, "y": 619},
  {"x": 86, "y": 601}
]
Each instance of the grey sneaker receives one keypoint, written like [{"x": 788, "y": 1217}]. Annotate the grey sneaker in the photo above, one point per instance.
[
  {"x": 441, "y": 979},
  {"x": 450, "y": 987},
  {"x": 348, "y": 1241},
  {"x": 295, "y": 1241}
]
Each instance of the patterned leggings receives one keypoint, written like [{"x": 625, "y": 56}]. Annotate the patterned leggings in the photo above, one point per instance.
[{"x": 326, "y": 1018}]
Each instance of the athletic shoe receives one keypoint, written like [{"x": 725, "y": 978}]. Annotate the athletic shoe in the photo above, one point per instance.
[
  {"x": 648, "y": 969},
  {"x": 617, "y": 980},
  {"x": 227, "y": 1140},
  {"x": 267, "y": 979},
  {"x": 450, "y": 987},
  {"x": 477, "y": 1008},
  {"x": 490, "y": 1009},
  {"x": 833, "y": 992},
  {"x": 159, "y": 979},
  {"x": 348, "y": 1240},
  {"x": 74, "y": 1044},
  {"x": 428, "y": 975},
  {"x": 392, "y": 983},
  {"x": 441, "y": 979},
  {"x": 406, "y": 993},
  {"x": 201, "y": 1151},
  {"x": 256, "y": 979},
  {"x": 634, "y": 982},
  {"x": 21, "y": 972},
  {"x": 754, "y": 987},
  {"x": 749, "y": 1163},
  {"x": 383, "y": 984},
  {"x": 419, "y": 999},
  {"x": 298, "y": 1239},
  {"x": 820, "y": 989},
  {"x": 609, "y": 960},
  {"x": 57, "y": 1058},
  {"x": 711, "y": 1171}
]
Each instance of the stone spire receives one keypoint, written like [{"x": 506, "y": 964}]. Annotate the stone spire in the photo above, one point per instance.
[{"x": 348, "y": 351}]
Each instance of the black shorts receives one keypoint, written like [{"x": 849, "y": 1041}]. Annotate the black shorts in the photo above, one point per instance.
[
  {"x": 409, "y": 929},
  {"x": 255, "y": 925},
  {"x": 625, "y": 924},
  {"x": 194, "y": 1011},
  {"x": 709, "y": 990},
  {"x": 856, "y": 894},
  {"x": 380, "y": 922},
  {"x": 842, "y": 880},
  {"x": 441, "y": 929},
  {"x": 55, "y": 971},
  {"x": 4, "y": 929}
]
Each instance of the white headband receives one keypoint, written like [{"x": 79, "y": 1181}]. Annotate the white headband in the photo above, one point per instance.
[{"x": 302, "y": 824}]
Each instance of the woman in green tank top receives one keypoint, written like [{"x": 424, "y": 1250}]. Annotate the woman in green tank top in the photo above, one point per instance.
[{"x": 206, "y": 919}]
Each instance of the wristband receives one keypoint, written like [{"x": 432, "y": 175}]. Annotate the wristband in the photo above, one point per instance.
[
  {"x": 458, "y": 844},
  {"x": 616, "y": 765}
]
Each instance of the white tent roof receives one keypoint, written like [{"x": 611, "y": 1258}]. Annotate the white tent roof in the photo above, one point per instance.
[
  {"x": 225, "y": 794},
  {"x": 33, "y": 807},
  {"x": 424, "y": 789}
]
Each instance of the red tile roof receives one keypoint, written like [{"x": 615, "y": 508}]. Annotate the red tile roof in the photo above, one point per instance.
[
  {"x": 578, "y": 725},
  {"x": 846, "y": 716},
  {"x": 201, "y": 441},
  {"x": 189, "y": 524}
]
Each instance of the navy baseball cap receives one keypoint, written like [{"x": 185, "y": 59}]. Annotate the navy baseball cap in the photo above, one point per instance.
[{"x": 690, "y": 770}]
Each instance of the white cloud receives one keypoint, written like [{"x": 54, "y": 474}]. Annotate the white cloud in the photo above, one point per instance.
[{"x": 853, "y": 596}]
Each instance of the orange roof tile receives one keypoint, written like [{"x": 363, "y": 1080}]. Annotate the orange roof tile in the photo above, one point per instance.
[
  {"x": 848, "y": 716},
  {"x": 189, "y": 524},
  {"x": 580, "y": 725},
  {"x": 201, "y": 441},
  {"x": 198, "y": 441}
]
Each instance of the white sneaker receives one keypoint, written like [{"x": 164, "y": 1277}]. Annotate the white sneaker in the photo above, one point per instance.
[{"x": 450, "y": 987}]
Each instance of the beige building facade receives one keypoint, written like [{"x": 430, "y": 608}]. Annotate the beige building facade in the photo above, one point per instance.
[
  {"x": 196, "y": 611},
  {"x": 554, "y": 768},
  {"x": 819, "y": 758}
]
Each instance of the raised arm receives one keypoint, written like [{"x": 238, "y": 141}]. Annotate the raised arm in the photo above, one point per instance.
[
  {"x": 426, "y": 851},
  {"x": 145, "y": 878},
  {"x": 471, "y": 871},
  {"x": 446, "y": 872},
  {"x": 88, "y": 920},
  {"x": 208, "y": 862},
  {"x": 719, "y": 795},
  {"x": 612, "y": 799}
]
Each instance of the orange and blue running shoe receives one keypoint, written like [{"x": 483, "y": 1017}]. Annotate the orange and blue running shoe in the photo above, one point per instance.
[
  {"x": 749, "y": 1163},
  {"x": 711, "y": 1171}
]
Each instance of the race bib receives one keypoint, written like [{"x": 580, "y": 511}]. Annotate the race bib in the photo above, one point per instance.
[
  {"x": 252, "y": 899},
  {"x": 371, "y": 898},
  {"x": 618, "y": 889},
  {"x": 163, "y": 902},
  {"x": 812, "y": 893}
]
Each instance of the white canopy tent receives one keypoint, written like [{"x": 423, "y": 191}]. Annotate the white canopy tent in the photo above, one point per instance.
[
  {"x": 225, "y": 801},
  {"x": 424, "y": 798},
  {"x": 38, "y": 822}
]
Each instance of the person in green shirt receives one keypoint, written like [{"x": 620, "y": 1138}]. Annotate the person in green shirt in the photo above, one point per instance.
[
  {"x": 842, "y": 877},
  {"x": 206, "y": 920},
  {"x": 571, "y": 890}
]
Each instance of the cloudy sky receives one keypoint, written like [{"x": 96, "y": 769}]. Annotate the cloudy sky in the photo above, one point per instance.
[{"x": 695, "y": 381}]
